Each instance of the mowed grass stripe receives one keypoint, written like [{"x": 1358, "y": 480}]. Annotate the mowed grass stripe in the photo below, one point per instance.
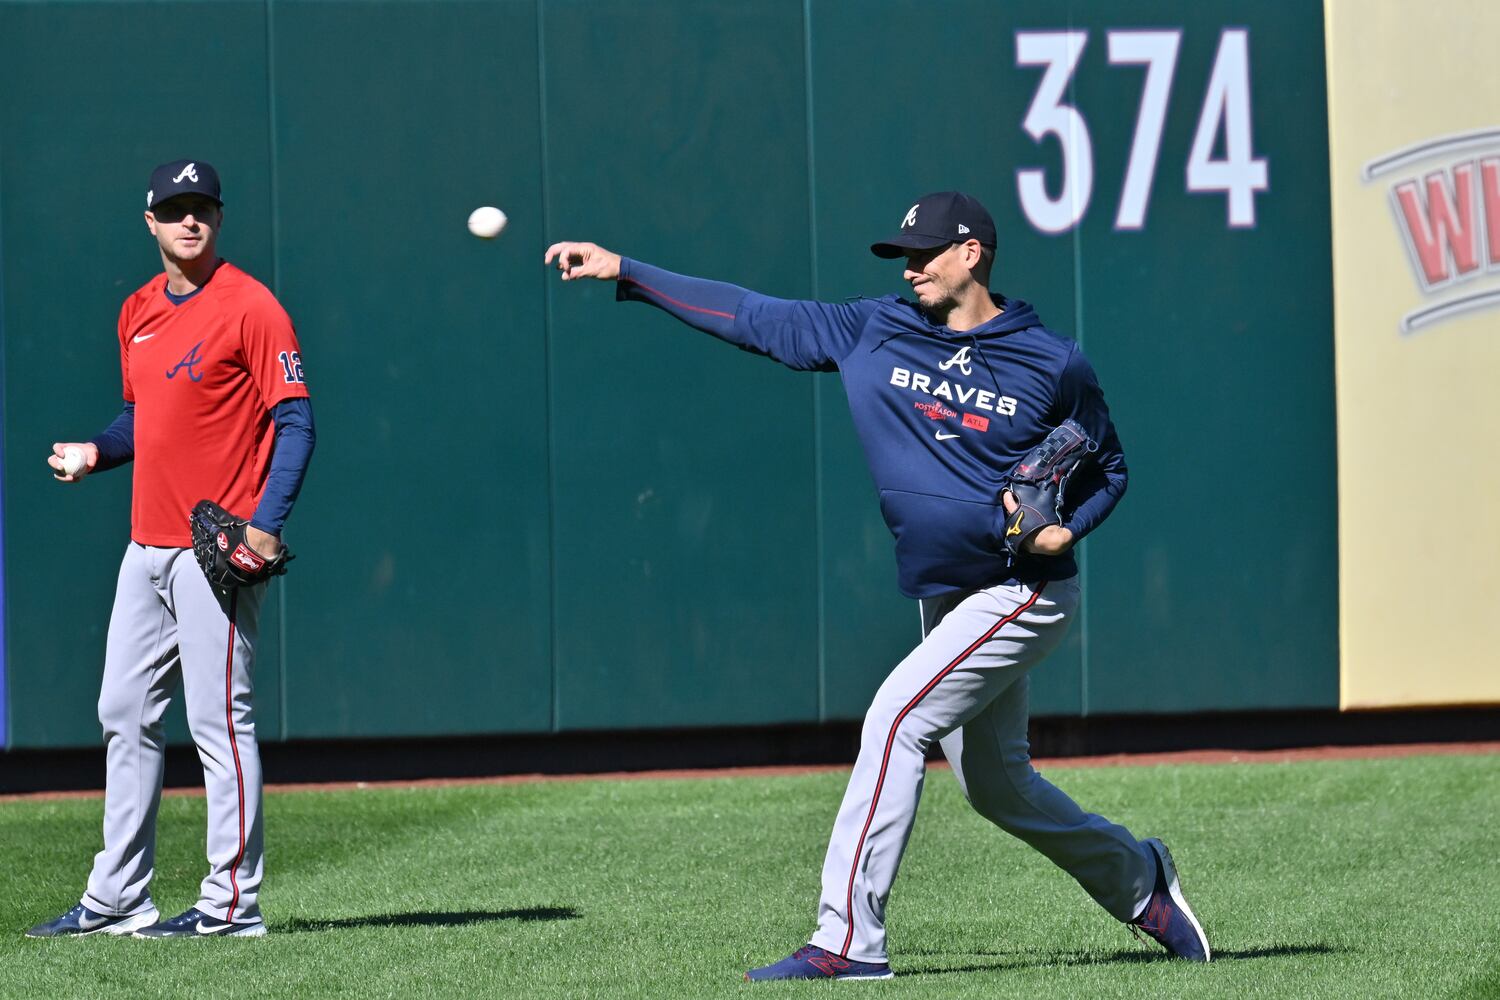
[{"x": 1353, "y": 878}]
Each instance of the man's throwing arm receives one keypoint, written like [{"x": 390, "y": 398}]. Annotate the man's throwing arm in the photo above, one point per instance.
[
  {"x": 116, "y": 443},
  {"x": 801, "y": 334}
]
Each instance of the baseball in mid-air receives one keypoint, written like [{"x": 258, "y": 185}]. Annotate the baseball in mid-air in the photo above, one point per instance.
[
  {"x": 486, "y": 222},
  {"x": 73, "y": 461}
]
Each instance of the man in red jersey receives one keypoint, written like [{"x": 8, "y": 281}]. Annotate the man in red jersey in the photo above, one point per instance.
[{"x": 216, "y": 408}]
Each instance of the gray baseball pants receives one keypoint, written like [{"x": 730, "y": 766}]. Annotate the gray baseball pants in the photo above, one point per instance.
[
  {"x": 966, "y": 686},
  {"x": 170, "y": 628}
]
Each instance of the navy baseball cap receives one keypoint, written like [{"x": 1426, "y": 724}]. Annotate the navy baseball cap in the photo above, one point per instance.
[
  {"x": 937, "y": 220},
  {"x": 183, "y": 177}
]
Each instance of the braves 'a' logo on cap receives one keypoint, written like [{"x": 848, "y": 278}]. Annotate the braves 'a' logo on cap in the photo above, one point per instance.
[
  {"x": 911, "y": 216},
  {"x": 190, "y": 172}
]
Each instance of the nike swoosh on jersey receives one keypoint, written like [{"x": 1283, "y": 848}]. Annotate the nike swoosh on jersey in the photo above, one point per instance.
[
  {"x": 142, "y": 336},
  {"x": 945, "y": 437}
]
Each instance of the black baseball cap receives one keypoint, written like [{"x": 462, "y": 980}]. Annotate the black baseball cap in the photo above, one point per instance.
[
  {"x": 937, "y": 220},
  {"x": 183, "y": 177}
]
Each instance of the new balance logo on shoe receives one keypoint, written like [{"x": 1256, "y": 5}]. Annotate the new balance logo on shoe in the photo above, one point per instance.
[
  {"x": 812, "y": 962},
  {"x": 1167, "y": 919}
]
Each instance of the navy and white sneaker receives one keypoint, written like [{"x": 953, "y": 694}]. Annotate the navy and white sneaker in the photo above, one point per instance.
[
  {"x": 813, "y": 962},
  {"x": 1167, "y": 918},
  {"x": 81, "y": 921},
  {"x": 195, "y": 924}
]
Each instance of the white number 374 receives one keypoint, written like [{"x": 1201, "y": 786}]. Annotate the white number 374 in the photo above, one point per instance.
[{"x": 1238, "y": 174}]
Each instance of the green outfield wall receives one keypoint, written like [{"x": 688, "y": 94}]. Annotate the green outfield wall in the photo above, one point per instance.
[{"x": 533, "y": 509}]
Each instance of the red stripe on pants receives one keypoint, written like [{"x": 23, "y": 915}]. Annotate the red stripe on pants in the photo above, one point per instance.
[
  {"x": 239, "y": 774},
  {"x": 890, "y": 741}
]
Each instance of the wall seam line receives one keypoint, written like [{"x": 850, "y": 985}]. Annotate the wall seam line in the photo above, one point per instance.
[
  {"x": 820, "y": 554},
  {"x": 1078, "y": 335},
  {"x": 5, "y": 706},
  {"x": 273, "y": 177},
  {"x": 554, "y": 718}
]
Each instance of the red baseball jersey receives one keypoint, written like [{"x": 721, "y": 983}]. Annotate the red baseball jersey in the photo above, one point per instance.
[{"x": 203, "y": 376}]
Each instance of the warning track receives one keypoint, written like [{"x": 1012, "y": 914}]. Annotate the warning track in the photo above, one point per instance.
[{"x": 1042, "y": 764}]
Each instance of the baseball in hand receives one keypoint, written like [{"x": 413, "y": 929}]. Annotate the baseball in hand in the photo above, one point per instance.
[
  {"x": 74, "y": 461},
  {"x": 487, "y": 222}
]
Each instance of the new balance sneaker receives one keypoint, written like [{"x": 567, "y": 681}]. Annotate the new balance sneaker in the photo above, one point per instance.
[
  {"x": 195, "y": 924},
  {"x": 81, "y": 921},
  {"x": 813, "y": 962},
  {"x": 1167, "y": 918}
]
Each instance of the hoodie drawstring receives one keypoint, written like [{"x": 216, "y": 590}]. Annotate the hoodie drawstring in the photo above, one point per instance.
[{"x": 980, "y": 351}]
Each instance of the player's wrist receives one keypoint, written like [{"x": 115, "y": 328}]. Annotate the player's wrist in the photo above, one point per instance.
[
  {"x": 263, "y": 540},
  {"x": 1053, "y": 540}
]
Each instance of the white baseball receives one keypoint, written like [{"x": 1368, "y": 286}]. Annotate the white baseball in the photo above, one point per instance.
[
  {"x": 487, "y": 222},
  {"x": 74, "y": 461}
]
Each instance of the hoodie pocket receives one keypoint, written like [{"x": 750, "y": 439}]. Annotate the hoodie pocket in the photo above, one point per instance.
[{"x": 942, "y": 540}]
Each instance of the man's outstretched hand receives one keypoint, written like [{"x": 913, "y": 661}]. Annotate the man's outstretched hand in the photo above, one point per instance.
[{"x": 583, "y": 260}]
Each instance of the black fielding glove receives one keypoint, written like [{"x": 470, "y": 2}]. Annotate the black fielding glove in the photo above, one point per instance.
[
  {"x": 227, "y": 559},
  {"x": 1037, "y": 483}
]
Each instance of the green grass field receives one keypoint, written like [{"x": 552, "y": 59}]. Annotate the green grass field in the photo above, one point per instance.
[{"x": 1358, "y": 879}]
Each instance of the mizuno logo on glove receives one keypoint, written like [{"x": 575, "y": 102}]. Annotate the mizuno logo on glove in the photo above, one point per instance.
[{"x": 1039, "y": 479}]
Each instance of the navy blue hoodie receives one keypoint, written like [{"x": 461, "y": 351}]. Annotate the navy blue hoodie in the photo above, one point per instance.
[{"x": 943, "y": 415}]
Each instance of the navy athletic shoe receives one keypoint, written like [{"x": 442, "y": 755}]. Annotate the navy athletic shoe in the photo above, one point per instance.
[
  {"x": 813, "y": 962},
  {"x": 81, "y": 921},
  {"x": 195, "y": 924},
  {"x": 1167, "y": 918}
]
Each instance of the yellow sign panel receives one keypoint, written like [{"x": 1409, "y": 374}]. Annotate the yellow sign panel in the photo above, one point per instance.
[{"x": 1414, "y": 141}]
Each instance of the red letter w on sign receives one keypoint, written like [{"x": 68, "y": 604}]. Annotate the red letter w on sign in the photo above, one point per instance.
[{"x": 1443, "y": 233}]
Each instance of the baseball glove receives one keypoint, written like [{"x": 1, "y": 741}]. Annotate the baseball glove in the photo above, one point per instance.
[
  {"x": 220, "y": 547},
  {"x": 1037, "y": 483}
]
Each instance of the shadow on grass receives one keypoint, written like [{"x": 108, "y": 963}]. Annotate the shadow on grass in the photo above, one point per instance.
[
  {"x": 1125, "y": 956},
  {"x": 457, "y": 918}
]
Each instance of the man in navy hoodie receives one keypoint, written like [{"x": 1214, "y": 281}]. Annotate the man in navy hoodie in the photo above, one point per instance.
[{"x": 947, "y": 393}]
